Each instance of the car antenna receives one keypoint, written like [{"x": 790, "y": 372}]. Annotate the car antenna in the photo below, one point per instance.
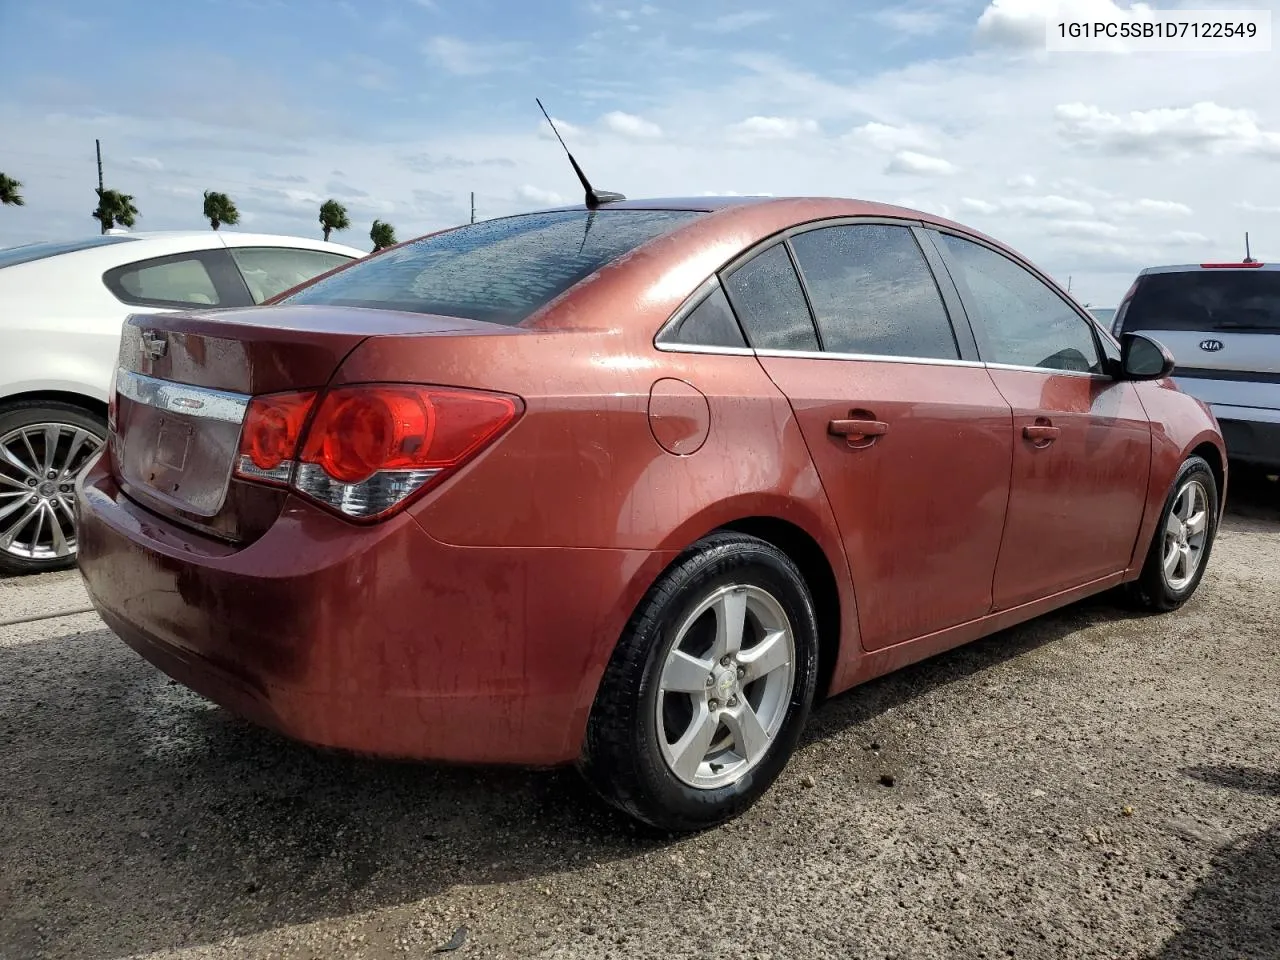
[
  {"x": 594, "y": 197},
  {"x": 1248, "y": 258}
]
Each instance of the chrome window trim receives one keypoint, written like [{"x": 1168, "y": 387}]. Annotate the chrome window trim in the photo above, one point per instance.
[
  {"x": 1027, "y": 368},
  {"x": 704, "y": 348},
  {"x": 869, "y": 357},
  {"x": 203, "y": 403}
]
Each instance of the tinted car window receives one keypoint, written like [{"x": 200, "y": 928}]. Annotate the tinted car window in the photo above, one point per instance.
[
  {"x": 710, "y": 324},
  {"x": 175, "y": 281},
  {"x": 873, "y": 292},
  {"x": 496, "y": 270},
  {"x": 272, "y": 270},
  {"x": 28, "y": 252},
  {"x": 1207, "y": 300},
  {"x": 1025, "y": 322},
  {"x": 768, "y": 299}
]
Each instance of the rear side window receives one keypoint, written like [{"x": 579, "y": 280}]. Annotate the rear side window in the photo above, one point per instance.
[
  {"x": 873, "y": 292},
  {"x": 29, "y": 252},
  {"x": 1207, "y": 301},
  {"x": 768, "y": 298},
  {"x": 710, "y": 324},
  {"x": 500, "y": 271},
  {"x": 271, "y": 270},
  {"x": 182, "y": 280}
]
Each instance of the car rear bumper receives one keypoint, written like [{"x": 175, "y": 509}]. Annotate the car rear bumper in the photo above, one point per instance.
[
  {"x": 1252, "y": 434},
  {"x": 377, "y": 639}
]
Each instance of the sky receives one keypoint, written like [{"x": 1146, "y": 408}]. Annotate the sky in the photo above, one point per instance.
[{"x": 1093, "y": 165}]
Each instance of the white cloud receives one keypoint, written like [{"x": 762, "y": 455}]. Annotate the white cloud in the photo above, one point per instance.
[
  {"x": 914, "y": 21},
  {"x": 464, "y": 58},
  {"x": 570, "y": 131},
  {"x": 888, "y": 137},
  {"x": 1151, "y": 208},
  {"x": 1024, "y": 181},
  {"x": 146, "y": 163},
  {"x": 972, "y": 205},
  {"x": 733, "y": 22},
  {"x": 1204, "y": 128},
  {"x": 536, "y": 195},
  {"x": 1256, "y": 207},
  {"x": 1082, "y": 228},
  {"x": 629, "y": 125},
  {"x": 910, "y": 162},
  {"x": 1050, "y": 205},
  {"x": 771, "y": 128}
]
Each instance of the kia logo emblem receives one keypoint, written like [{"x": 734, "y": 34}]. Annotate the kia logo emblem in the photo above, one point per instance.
[{"x": 1212, "y": 346}]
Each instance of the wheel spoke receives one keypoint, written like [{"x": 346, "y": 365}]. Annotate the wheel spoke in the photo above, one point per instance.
[
  {"x": 11, "y": 532},
  {"x": 8, "y": 481},
  {"x": 1196, "y": 523},
  {"x": 749, "y": 737},
  {"x": 690, "y": 750},
  {"x": 14, "y": 460},
  {"x": 770, "y": 654},
  {"x": 685, "y": 674},
  {"x": 1173, "y": 526},
  {"x": 42, "y": 509},
  {"x": 1171, "y": 558},
  {"x": 1185, "y": 561},
  {"x": 1186, "y": 500},
  {"x": 77, "y": 441},
  {"x": 10, "y": 509},
  {"x": 731, "y": 621},
  {"x": 60, "y": 546},
  {"x": 51, "y": 434}
]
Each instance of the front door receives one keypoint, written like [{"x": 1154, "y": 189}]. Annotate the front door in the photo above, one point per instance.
[
  {"x": 912, "y": 442},
  {"x": 1081, "y": 440}
]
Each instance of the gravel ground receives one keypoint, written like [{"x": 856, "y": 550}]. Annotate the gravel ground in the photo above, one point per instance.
[{"x": 1088, "y": 785}]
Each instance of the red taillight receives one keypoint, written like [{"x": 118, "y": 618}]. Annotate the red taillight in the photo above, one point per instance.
[
  {"x": 371, "y": 447},
  {"x": 270, "y": 435},
  {"x": 1229, "y": 266}
]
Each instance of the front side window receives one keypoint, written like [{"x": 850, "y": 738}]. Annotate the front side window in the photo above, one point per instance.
[
  {"x": 873, "y": 292},
  {"x": 1026, "y": 324},
  {"x": 500, "y": 271},
  {"x": 183, "y": 280},
  {"x": 768, "y": 299},
  {"x": 272, "y": 270}
]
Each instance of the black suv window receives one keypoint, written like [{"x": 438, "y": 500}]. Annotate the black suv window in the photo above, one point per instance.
[
  {"x": 1022, "y": 321},
  {"x": 768, "y": 299},
  {"x": 873, "y": 292},
  {"x": 710, "y": 324},
  {"x": 501, "y": 271},
  {"x": 1207, "y": 300}
]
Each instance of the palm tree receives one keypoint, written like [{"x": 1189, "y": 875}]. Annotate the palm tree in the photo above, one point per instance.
[
  {"x": 383, "y": 235},
  {"x": 333, "y": 216},
  {"x": 9, "y": 195},
  {"x": 220, "y": 209},
  {"x": 114, "y": 207}
]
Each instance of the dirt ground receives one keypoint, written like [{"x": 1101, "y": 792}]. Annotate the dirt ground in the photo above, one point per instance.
[{"x": 1088, "y": 785}]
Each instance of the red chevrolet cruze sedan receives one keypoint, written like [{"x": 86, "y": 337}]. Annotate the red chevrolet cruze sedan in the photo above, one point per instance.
[{"x": 631, "y": 486}]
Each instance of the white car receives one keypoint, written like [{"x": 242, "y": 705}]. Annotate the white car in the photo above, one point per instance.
[{"x": 62, "y": 305}]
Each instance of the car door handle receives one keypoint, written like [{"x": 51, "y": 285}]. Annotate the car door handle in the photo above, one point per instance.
[
  {"x": 1042, "y": 432},
  {"x": 858, "y": 433}
]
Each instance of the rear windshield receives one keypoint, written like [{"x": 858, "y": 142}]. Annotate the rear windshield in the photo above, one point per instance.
[
  {"x": 12, "y": 256},
  {"x": 1207, "y": 300},
  {"x": 497, "y": 270}
]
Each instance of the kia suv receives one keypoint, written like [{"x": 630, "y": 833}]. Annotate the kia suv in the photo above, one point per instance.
[{"x": 1221, "y": 321}]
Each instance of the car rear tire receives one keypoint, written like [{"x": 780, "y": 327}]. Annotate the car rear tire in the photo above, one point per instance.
[
  {"x": 43, "y": 444},
  {"x": 1182, "y": 542},
  {"x": 706, "y": 694}
]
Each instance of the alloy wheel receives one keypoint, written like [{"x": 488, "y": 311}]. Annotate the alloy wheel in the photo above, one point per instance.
[
  {"x": 725, "y": 686},
  {"x": 1185, "y": 535},
  {"x": 38, "y": 466}
]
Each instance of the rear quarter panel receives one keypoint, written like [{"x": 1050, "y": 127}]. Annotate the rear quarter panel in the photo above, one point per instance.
[{"x": 1180, "y": 425}]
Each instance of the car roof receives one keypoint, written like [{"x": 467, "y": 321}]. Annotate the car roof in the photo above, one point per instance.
[{"x": 1196, "y": 267}]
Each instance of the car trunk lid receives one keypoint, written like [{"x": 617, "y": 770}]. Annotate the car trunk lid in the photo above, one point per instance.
[{"x": 183, "y": 387}]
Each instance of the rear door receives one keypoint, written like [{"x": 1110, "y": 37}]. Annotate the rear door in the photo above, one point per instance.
[
  {"x": 908, "y": 434},
  {"x": 1081, "y": 441}
]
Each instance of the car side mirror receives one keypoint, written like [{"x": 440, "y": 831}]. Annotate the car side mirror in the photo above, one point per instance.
[{"x": 1144, "y": 358}]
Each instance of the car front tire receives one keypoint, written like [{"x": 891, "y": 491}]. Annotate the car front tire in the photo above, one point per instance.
[
  {"x": 707, "y": 693},
  {"x": 1183, "y": 540},
  {"x": 43, "y": 445}
]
